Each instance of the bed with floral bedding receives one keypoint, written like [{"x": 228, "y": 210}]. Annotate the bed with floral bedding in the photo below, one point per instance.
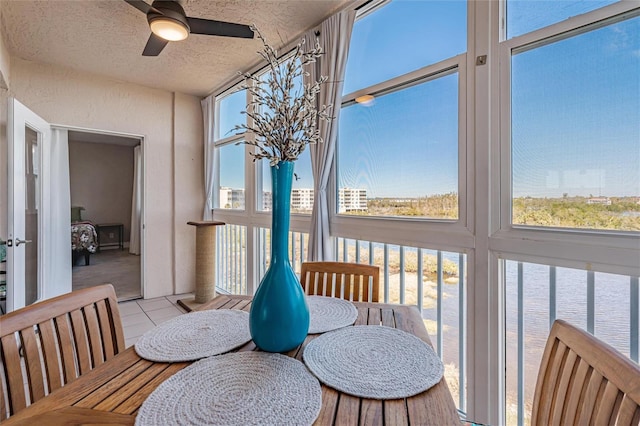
[{"x": 84, "y": 241}]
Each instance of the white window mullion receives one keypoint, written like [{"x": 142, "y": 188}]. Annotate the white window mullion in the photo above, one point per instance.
[{"x": 485, "y": 388}]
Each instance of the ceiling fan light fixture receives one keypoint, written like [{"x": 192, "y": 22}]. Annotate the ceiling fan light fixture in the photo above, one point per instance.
[{"x": 169, "y": 29}]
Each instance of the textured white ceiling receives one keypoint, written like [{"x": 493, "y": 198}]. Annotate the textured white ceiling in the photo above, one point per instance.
[{"x": 106, "y": 37}]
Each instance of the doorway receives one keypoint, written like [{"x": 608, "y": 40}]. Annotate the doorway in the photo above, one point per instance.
[
  {"x": 38, "y": 262},
  {"x": 105, "y": 186},
  {"x": 31, "y": 245}
]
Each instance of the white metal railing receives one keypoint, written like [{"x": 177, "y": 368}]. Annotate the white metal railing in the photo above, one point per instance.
[
  {"x": 605, "y": 305},
  {"x": 231, "y": 259},
  {"x": 297, "y": 250},
  {"x": 432, "y": 280}
]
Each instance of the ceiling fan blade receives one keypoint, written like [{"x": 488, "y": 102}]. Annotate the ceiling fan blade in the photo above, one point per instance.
[
  {"x": 142, "y": 6},
  {"x": 219, "y": 28},
  {"x": 154, "y": 45}
]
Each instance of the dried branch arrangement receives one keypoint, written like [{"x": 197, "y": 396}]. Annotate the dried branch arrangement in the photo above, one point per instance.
[{"x": 283, "y": 113}]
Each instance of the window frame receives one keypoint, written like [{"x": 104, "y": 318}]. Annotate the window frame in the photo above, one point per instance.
[
  {"x": 219, "y": 143},
  {"x": 300, "y": 218},
  {"x": 445, "y": 234},
  {"x": 602, "y": 250},
  {"x": 251, "y": 217}
]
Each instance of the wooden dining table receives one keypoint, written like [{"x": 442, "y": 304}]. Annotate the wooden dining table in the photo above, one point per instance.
[{"x": 113, "y": 392}]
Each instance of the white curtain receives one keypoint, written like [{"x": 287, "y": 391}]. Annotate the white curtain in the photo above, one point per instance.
[
  {"x": 136, "y": 203},
  {"x": 334, "y": 38},
  {"x": 57, "y": 217},
  {"x": 210, "y": 156}
]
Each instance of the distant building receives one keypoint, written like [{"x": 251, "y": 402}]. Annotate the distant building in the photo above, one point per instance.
[
  {"x": 231, "y": 198},
  {"x": 267, "y": 201},
  {"x": 352, "y": 200},
  {"x": 302, "y": 199},
  {"x": 599, "y": 200}
]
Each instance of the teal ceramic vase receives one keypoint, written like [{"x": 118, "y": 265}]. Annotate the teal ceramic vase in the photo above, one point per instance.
[{"x": 279, "y": 317}]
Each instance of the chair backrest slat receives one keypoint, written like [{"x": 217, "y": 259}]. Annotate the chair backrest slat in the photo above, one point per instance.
[
  {"x": 32, "y": 362},
  {"x": 583, "y": 380},
  {"x": 50, "y": 353},
  {"x": 49, "y": 344},
  {"x": 354, "y": 282},
  {"x": 81, "y": 341},
  {"x": 576, "y": 394},
  {"x": 351, "y": 281},
  {"x": 562, "y": 390},
  {"x": 604, "y": 410},
  {"x": 629, "y": 412},
  {"x": 3, "y": 404},
  {"x": 14, "y": 377},
  {"x": 591, "y": 393},
  {"x": 340, "y": 289},
  {"x": 67, "y": 353},
  {"x": 104, "y": 323},
  {"x": 95, "y": 336}
]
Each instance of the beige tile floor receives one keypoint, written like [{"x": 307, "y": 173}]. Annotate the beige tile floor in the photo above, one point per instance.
[{"x": 140, "y": 316}]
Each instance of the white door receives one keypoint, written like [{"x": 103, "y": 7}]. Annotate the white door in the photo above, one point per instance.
[{"x": 27, "y": 135}]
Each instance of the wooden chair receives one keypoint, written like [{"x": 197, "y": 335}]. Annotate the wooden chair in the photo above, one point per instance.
[
  {"x": 583, "y": 380},
  {"x": 351, "y": 281},
  {"x": 49, "y": 344}
]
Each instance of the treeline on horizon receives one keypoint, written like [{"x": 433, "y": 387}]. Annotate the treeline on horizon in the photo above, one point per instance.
[
  {"x": 442, "y": 206},
  {"x": 623, "y": 214}
]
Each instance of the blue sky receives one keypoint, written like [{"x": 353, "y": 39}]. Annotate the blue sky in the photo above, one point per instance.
[
  {"x": 575, "y": 105},
  {"x": 576, "y": 119}
]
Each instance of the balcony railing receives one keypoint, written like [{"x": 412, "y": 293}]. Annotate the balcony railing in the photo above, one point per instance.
[
  {"x": 231, "y": 259},
  {"x": 432, "y": 280},
  {"x": 606, "y": 305}
]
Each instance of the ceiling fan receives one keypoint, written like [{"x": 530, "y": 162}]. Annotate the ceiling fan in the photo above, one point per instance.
[{"x": 168, "y": 22}]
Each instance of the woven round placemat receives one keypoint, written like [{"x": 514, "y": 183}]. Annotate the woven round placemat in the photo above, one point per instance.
[
  {"x": 373, "y": 361},
  {"x": 329, "y": 313},
  {"x": 240, "y": 388},
  {"x": 195, "y": 335}
]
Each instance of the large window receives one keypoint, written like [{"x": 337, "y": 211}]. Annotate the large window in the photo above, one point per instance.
[
  {"x": 570, "y": 189},
  {"x": 399, "y": 141},
  {"x": 398, "y": 154},
  {"x": 231, "y": 158},
  {"x": 575, "y": 135},
  {"x": 403, "y": 36},
  {"x": 231, "y": 153},
  {"x": 229, "y": 115},
  {"x": 524, "y": 16}
]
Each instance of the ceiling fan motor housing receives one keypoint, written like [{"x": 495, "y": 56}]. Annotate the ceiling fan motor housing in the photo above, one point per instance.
[
  {"x": 168, "y": 22},
  {"x": 170, "y": 10}
]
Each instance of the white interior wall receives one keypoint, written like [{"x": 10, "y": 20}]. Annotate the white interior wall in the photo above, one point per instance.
[
  {"x": 4, "y": 60},
  {"x": 66, "y": 97},
  {"x": 189, "y": 186},
  {"x": 101, "y": 176}
]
